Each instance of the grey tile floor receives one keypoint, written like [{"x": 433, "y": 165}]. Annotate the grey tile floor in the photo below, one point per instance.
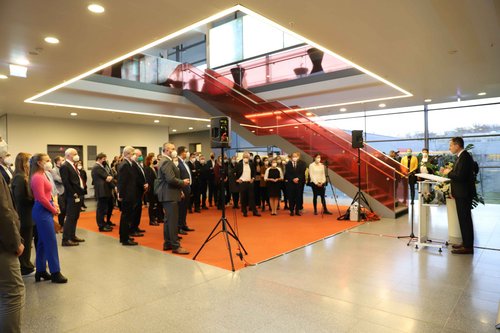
[{"x": 364, "y": 280}]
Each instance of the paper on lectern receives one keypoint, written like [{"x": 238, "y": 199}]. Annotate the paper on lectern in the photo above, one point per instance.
[{"x": 433, "y": 177}]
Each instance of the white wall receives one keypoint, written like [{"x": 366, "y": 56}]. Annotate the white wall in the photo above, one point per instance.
[{"x": 32, "y": 134}]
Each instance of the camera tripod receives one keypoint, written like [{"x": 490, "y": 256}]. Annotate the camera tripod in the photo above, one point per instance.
[
  {"x": 328, "y": 181},
  {"x": 226, "y": 228}
]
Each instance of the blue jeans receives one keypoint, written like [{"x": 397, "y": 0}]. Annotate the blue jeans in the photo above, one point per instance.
[{"x": 46, "y": 249}]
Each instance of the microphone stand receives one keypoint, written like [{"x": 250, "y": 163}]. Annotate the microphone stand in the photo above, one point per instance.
[{"x": 328, "y": 181}]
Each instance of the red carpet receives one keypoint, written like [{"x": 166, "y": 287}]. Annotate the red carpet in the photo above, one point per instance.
[{"x": 263, "y": 237}]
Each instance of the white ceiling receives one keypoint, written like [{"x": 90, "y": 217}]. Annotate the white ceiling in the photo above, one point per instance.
[{"x": 431, "y": 48}]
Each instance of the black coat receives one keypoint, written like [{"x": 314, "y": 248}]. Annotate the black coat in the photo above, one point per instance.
[
  {"x": 238, "y": 171},
  {"x": 297, "y": 172},
  {"x": 102, "y": 188},
  {"x": 130, "y": 186},
  {"x": 463, "y": 179},
  {"x": 71, "y": 180},
  {"x": 23, "y": 199}
]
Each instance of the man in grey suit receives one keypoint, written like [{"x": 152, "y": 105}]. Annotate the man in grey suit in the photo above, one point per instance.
[
  {"x": 61, "y": 199},
  {"x": 11, "y": 247},
  {"x": 169, "y": 191}
]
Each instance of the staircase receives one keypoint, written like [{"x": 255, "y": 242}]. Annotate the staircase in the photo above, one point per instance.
[{"x": 382, "y": 179}]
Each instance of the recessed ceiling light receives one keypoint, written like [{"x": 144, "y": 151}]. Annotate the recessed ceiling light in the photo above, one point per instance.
[
  {"x": 428, "y": 100},
  {"x": 295, "y": 126},
  {"x": 73, "y": 114},
  {"x": 156, "y": 121},
  {"x": 309, "y": 114},
  {"x": 190, "y": 128},
  {"x": 51, "y": 40},
  {"x": 19, "y": 71},
  {"x": 343, "y": 110},
  {"x": 253, "y": 131},
  {"x": 208, "y": 125},
  {"x": 3, "y": 77},
  {"x": 381, "y": 105},
  {"x": 174, "y": 130},
  {"x": 271, "y": 130},
  {"x": 95, "y": 8},
  {"x": 481, "y": 93},
  {"x": 21, "y": 61}
]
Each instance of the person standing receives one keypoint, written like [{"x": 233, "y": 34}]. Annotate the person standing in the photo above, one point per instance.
[
  {"x": 61, "y": 198},
  {"x": 129, "y": 195},
  {"x": 463, "y": 189},
  {"x": 11, "y": 247},
  {"x": 103, "y": 186},
  {"x": 44, "y": 211},
  {"x": 213, "y": 190},
  {"x": 295, "y": 173},
  {"x": 169, "y": 194},
  {"x": 83, "y": 175},
  {"x": 234, "y": 188},
  {"x": 73, "y": 190},
  {"x": 204, "y": 177},
  {"x": 140, "y": 177},
  {"x": 317, "y": 175},
  {"x": 184, "y": 202},
  {"x": 411, "y": 162},
  {"x": 245, "y": 177},
  {"x": 274, "y": 178},
  {"x": 24, "y": 201},
  {"x": 5, "y": 162},
  {"x": 150, "y": 173},
  {"x": 194, "y": 168},
  {"x": 264, "y": 193}
]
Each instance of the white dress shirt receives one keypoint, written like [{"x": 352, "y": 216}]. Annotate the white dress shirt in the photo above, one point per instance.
[
  {"x": 246, "y": 176},
  {"x": 317, "y": 173}
]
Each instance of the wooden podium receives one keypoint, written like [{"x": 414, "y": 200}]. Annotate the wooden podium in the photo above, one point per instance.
[{"x": 424, "y": 212}]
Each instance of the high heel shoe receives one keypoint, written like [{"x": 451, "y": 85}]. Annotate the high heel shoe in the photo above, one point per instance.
[
  {"x": 58, "y": 278},
  {"x": 42, "y": 275}
]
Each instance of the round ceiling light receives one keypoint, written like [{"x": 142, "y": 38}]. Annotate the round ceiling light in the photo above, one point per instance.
[
  {"x": 51, "y": 40},
  {"x": 156, "y": 121},
  {"x": 481, "y": 93},
  {"x": 3, "y": 77},
  {"x": 343, "y": 110},
  {"x": 73, "y": 114},
  {"x": 95, "y": 8},
  {"x": 381, "y": 105},
  {"x": 428, "y": 100}
]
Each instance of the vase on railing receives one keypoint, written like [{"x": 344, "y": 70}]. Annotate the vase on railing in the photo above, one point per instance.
[
  {"x": 316, "y": 57},
  {"x": 454, "y": 233}
]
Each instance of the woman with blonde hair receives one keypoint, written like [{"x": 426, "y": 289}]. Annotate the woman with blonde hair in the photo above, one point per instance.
[
  {"x": 23, "y": 199},
  {"x": 44, "y": 211}
]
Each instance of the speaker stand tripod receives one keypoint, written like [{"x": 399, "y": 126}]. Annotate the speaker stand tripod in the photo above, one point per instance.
[
  {"x": 226, "y": 228},
  {"x": 328, "y": 181}
]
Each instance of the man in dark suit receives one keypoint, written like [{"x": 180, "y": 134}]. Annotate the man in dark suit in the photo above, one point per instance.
[
  {"x": 204, "y": 179},
  {"x": 73, "y": 190},
  {"x": 130, "y": 192},
  {"x": 295, "y": 176},
  {"x": 5, "y": 162},
  {"x": 141, "y": 182},
  {"x": 244, "y": 174},
  {"x": 194, "y": 169},
  {"x": 102, "y": 181},
  {"x": 185, "y": 173},
  {"x": 463, "y": 189},
  {"x": 169, "y": 193},
  {"x": 212, "y": 187}
]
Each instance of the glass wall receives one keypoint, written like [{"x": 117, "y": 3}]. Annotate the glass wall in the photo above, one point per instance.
[{"x": 477, "y": 121}]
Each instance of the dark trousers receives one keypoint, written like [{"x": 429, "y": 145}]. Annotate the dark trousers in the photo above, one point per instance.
[
  {"x": 46, "y": 249},
  {"x": 61, "y": 201},
  {"x": 264, "y": 197},
  {"x": 212, "y": 191},
  {"x": 72, "y": 215},
  {"x": 155, "y": 211},
  {"x": 203, "y": 192},
  {"x": 319, "y": 191},
  {"x": 294, "y": 196},
  {"x": 257, "y": 193},
  {"x": 102, "y": 211},
  {"x": 128, "y": 210},
  {"x": 247, "y": 197},
  {"x": 464, "y": 206},
  {"x": 182, "y": 211},
  {"x": 236, "y": 198},
  {"x": 111, "y": 206},
  {"x": 25, "y": 258},
  {"x": 171, "y": 213},
  {"x": 195, "y": 197},
  {"x": 136, "y": 220},
  {"x": 284, "y": 189}
]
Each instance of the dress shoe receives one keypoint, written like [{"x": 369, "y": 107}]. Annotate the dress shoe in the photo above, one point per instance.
[
  {"x": 197, "y": 211},
  {"x": 69, "y": 243},
  {"x": 27, "y": 271},
  {"x": 292, "y": 214},
  {"x": 327, "y": 212},
  {"x": 83, "y": 209},
  {"x": 42, "y": 276},
  {"x": 167, "y": 247},
  {"x": 457, "y": 246},
  {"x": 204, "y": 207},
  {"x": 180, "y": 250},
  {"x": 315, "y": 212},
  {"x": 256, "y": 213},
  {"x": 154, "y": 223},
  {"x": 463, "y": 250},
  {"x": 182, "y": 232},
  {"x": 141, "y": 230},
  {"x": 78, "y": 240},
  {"x": 110, "y": 224},
  {"x": 129, "y": 243},
  {"x": 136, "y": 234},
  {"x": 298, "y": 213},
  {"x": 186, "y": 228},
  {"x": 57, "y": 277},
  {"x": 179, "y": 237},
  {"x": 105, "y": 229},
  {"x": 245, "y": 214}
]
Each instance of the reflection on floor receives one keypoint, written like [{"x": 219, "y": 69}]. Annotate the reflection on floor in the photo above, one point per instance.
[{"x": 365, "y": 280}]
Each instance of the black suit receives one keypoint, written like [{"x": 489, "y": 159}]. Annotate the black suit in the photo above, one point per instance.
[
  {"x": 295, "y": 190},
  {"x": 73, "y": 192},
  {"x": 5, "y": 175},
  {"x": 102, "y": 191},
  {"x": 184, "y": 202},
  {"x": 212, "y": 183},
  {"x": 130, "y": 192},
  {"x": 141, "y": 180},
  {"x": 463, "y": 189},
  {"x": 247, "y": 194},
  {"x": 195, "y": 169}
]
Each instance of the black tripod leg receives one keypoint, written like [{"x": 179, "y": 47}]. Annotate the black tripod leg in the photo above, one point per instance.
[
  {"x": 228, "y": 243},
  {"x": 208, "y": 239},
  {"x": 233, "y": 234}
]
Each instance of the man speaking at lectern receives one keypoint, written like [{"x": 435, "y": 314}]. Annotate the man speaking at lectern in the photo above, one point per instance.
[{"x": 463, "y": 189}]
